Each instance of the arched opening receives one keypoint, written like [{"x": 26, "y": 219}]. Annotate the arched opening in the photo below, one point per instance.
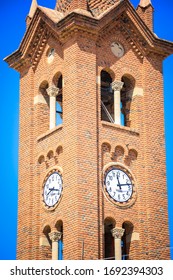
[
  {"x": 126, "y": 99},
  {"x": 46, "y": 232},
  {"x": 126, "y": 239},
  {"x": 43, "y": 107},
  {"x": 107, "y": 98},
  {"x": 42, "y": 90},
  {"x": 59, "y": 227},
  {"x": 109, "y": 250},
  {"x": 59, "y": 101}
]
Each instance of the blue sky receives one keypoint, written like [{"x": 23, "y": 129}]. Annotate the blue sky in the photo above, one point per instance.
[{"x": 12, "y": 26}]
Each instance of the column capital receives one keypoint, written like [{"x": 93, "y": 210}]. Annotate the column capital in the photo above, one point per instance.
[
  {"x": 52, "y": 91},
  {"x": 117, "y": 85},
  {"x": 117, "y": 233},
  {"x": 55, "y": 236}
]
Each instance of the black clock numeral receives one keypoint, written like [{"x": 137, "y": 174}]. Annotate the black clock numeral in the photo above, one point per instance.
[
  {"x": 53, "y": 178},
  {"x": 108, "y": 183},
  {"x": 113, "y": 173},
  {"x": 118, "y": 173},
  {"x": 110, "y": 178}
]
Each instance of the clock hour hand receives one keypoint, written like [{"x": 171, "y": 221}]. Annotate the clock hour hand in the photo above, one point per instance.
[{"x": 52, "y": 189}]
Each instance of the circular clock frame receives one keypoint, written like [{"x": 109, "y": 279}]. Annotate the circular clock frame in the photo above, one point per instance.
[
  {"x": 128, "y": 201},
  {"x": 53, "y": 190},
  {"x": 117, "y": 49},
  {"x": 50, "y": 55}
]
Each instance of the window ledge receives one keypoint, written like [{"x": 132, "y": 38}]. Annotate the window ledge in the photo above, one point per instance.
[
  {"x": 49, "y": 132},
  {"x": 120, "y": 127}
]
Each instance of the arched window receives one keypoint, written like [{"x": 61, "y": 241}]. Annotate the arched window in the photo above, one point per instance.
[
  {"x": 126, "y": 240},
  {"x": 126, "y": 99},
  {"x": 42, "y": 102},
  {"x": 107, "y": 98},
  {"x": 59, "y": 102},
  {"x": 109, "y": 252},
  {"x": 59, "y": 227}
]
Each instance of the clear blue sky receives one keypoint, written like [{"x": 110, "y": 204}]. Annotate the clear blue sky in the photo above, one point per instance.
[{"x": 12, "y": 27}]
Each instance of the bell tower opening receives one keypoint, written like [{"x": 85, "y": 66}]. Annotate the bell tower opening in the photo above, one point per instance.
[
  {"x": 107, "y": 99},
  {"x": 59, "y": 102},
  {"x": 126, "y": 240},
  {"x": 108, "y": 240}
]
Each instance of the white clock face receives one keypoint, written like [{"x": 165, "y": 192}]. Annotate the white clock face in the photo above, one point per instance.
[
  {"x": 118, "y": 185},
  {"x": 52, "y": 189},
  {"x": 117, "y": 49}
]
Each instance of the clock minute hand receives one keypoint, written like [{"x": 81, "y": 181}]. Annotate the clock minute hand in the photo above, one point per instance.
[{"x": 124, "y": 184}]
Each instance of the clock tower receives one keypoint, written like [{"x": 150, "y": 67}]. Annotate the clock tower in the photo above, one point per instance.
[{"x": 92, "y": 181}]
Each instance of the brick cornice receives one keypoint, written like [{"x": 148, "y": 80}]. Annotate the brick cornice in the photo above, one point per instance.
[{"x": 124, "y": 14}]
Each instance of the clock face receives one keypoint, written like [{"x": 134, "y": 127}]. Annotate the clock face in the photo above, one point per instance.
[
  {"x": 118, "y": 185},
  {"x": 52, "y": 189},
  {"x": 117, "y": 49}
]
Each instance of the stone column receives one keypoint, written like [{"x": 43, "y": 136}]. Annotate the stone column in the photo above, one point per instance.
[
  {"x": 117, "y": 233},
  {"x": 52, "y": 91},
  {"x": 117, "y": 86},
  {"x": 55, "y": 236}
]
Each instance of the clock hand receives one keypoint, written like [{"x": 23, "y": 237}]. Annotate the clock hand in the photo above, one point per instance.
[
  {"x": 119, "y": 185},
  {"x": 52, "y": 189},
  {"x": 49, "y": 192},
  {"x": 124, "y": 184}
]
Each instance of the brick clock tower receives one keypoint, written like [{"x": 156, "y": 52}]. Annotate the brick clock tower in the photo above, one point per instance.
[{"x": 92, "y": 181}]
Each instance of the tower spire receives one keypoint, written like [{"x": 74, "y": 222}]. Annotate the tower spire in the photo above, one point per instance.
[
  {"x": 145, "y": 11},
  {"x": 32, "y": 8},
  {"x": 145, "y": 3}
]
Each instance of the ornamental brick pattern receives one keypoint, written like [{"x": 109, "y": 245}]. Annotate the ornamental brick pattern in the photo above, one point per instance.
[{"x": 84, "y": 145}]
